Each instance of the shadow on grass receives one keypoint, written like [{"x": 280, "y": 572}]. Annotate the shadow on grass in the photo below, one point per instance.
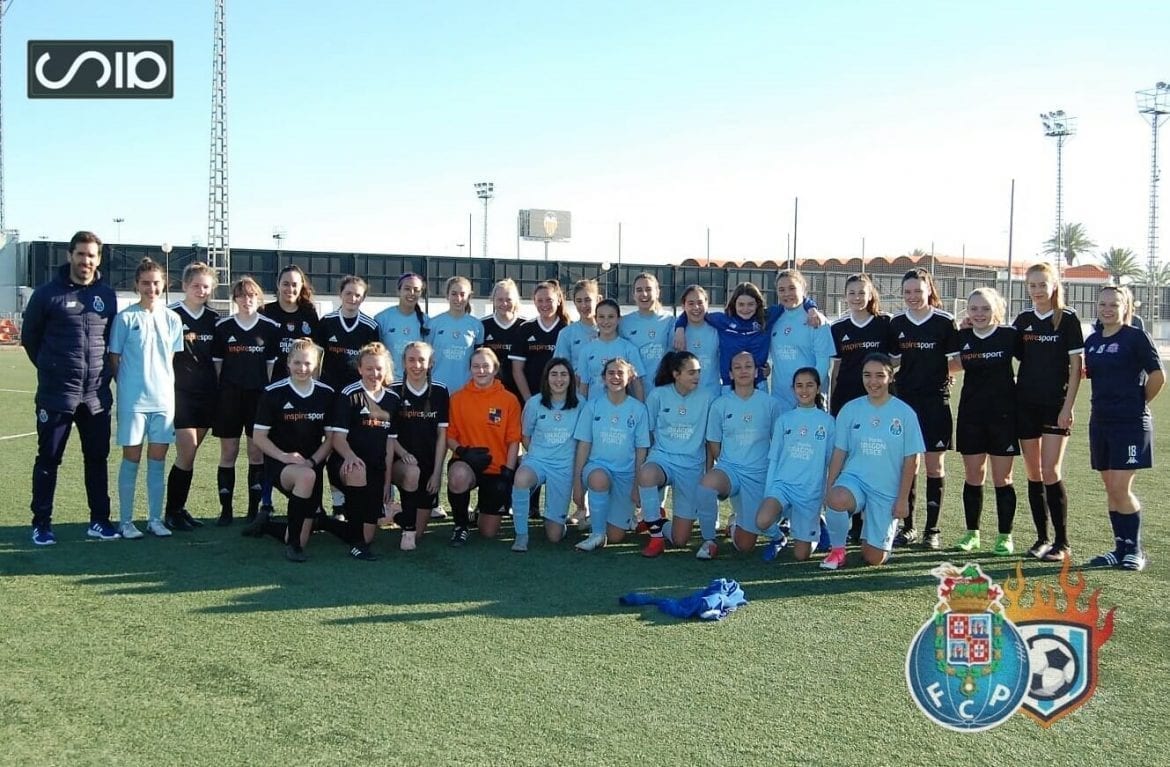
[{"x": 484, "y": 578}]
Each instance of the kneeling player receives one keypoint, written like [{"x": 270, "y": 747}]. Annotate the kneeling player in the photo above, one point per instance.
[
  {"x": 290, "y": 432},
  {"x": 875, "y": 457},
  {"x": 802, "y": 444}
]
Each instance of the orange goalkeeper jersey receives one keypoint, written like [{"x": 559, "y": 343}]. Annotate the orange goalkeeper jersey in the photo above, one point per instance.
[{"x": 485, "y": 418}]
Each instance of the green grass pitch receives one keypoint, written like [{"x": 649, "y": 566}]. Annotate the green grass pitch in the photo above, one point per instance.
[{"x": 209, "y": 648}]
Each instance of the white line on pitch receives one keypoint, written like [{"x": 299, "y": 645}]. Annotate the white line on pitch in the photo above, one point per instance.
[
  {"x": 18, "y": 436},
  {"x": 18, "y": 391}
]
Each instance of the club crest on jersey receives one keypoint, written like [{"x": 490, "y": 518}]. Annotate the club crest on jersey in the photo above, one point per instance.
[
  {"x": 967, "y": 668},
  {"x": 495, "y": 415},
  {"x": 43, "y": 416},
  {"x": 98, "y": 304},
  {"x": 1062, "y": 642},
  {"x": 896, "y": 427},
  {"x": 631, "y": 422},
  {"x": 820, "y": 433},
  {"x": 305, "y": 327}
]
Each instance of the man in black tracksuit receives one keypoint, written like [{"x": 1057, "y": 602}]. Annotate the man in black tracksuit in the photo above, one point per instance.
[{"x": 65, "y": 332}]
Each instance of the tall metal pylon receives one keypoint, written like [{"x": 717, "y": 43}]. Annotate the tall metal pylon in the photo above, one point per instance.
[
  {"x": 1059, "y": 126},
  {"x": 219, "y": 255},
  {"x": 1154, "y": 106}
]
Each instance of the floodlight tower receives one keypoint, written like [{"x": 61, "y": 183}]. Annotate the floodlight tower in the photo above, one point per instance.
[
  {"x": 218, "y": 247},
  {"x": 1154, "y": 106},
  {"x": 1059, "y": 126},
  {"x": 485, "y": 190}
]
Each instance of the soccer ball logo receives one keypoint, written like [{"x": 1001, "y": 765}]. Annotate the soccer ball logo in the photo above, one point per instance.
[{"x": 1054, "y": 667}]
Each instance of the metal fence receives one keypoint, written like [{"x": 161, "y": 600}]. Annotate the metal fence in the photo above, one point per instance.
[{"x": 326, "y": 270}]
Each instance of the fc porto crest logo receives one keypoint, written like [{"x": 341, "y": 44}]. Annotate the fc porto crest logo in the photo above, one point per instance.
[
  {"x": 968, "y": 665},
  {"x": 495, "y": 415},
  {"x": 896, "y": 427},
  {"x": 98, "y": 304},
  {"x": 990, "y": 651}
]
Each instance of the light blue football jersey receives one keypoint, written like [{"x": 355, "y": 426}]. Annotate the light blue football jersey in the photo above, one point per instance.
[{"x": 876, "y": 441}]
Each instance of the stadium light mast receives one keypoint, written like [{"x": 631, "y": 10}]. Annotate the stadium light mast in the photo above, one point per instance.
[
  {"x": 218, "y": 247},
  {"x": 1061, "y": 127},
  {"x": 1154, "y": 106},
  {"x": 485, "y": 190}
]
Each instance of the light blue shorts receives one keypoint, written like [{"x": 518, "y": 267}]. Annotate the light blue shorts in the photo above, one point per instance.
[
  {"x": 804, "y": 514},
  {"x": 621, "y": 506},
  {"x": 558, "y": 487},
  {"x": 683, "y": 475},
  {"x": 151, "y": 428},
  {"x": 747, "y": 491},
  {"x": 878, "y": 510}
]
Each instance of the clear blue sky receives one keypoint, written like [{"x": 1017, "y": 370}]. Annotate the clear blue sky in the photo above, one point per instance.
[{"x": 361, "y": 126}]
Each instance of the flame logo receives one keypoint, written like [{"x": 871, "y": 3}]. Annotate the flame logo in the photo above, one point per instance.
[{"x": 1036, "y": 609}]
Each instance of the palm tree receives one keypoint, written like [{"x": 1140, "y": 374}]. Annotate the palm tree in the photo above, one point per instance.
[
  {"x": 1122, "y": 264},
  {"x": 1159, "y": 277},
  {"x": 917, "y": 253},
  {"x": 1074, "y": 243}
]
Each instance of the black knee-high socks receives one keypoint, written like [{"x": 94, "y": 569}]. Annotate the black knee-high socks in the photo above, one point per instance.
[
  {"x": 1058, "y": 511},
  {"x": 1038, "y": 503},
  {"x": 299, "y": 510},
  {"x": 178, "y": 488},
  {"x": 225, "y": 480},
  {"x": 934, "y": 495},
  {"x": 908, "y": 522},
  {"x": 460, "y": 504},
  {"x": 255, "y": 487},
  {"x": 972, "y": 505},
  {"x": 1005, "y": 508}
]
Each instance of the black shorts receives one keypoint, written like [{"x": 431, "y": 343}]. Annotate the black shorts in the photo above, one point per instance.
[
  {"x": 195, "y": 410},
  {"x": 1121, "y": 446},
  {"x": 422, "y": 499},
  {"x": 235, "y": 412},
  {"x": 935, "y": 420},
  {"x": 1033, "y": 420},
  {"x": 375, "y": 478},
  {"x": 495, "y": 495},
  {"x": 991, "y": 434},
  {"x": 272, "y": 471}
]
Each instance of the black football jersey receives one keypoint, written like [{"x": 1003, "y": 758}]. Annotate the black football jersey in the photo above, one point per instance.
[
  {"x": 989, "y": 383},
  {"x": 534, "y": 347},
  {"x": 194, "y": 368},
  {"x": 923, "y": 348},
  {"x": 245, "y": 354},
  {"x": 365, "y": 421},
  {"x": 342, "y": 339},
  {"x": 1043, "y": 352},
  {"x": 295, "y": 423},
  {"x": 851, "y": 344},
  {"x": 293, "y": 325}
]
